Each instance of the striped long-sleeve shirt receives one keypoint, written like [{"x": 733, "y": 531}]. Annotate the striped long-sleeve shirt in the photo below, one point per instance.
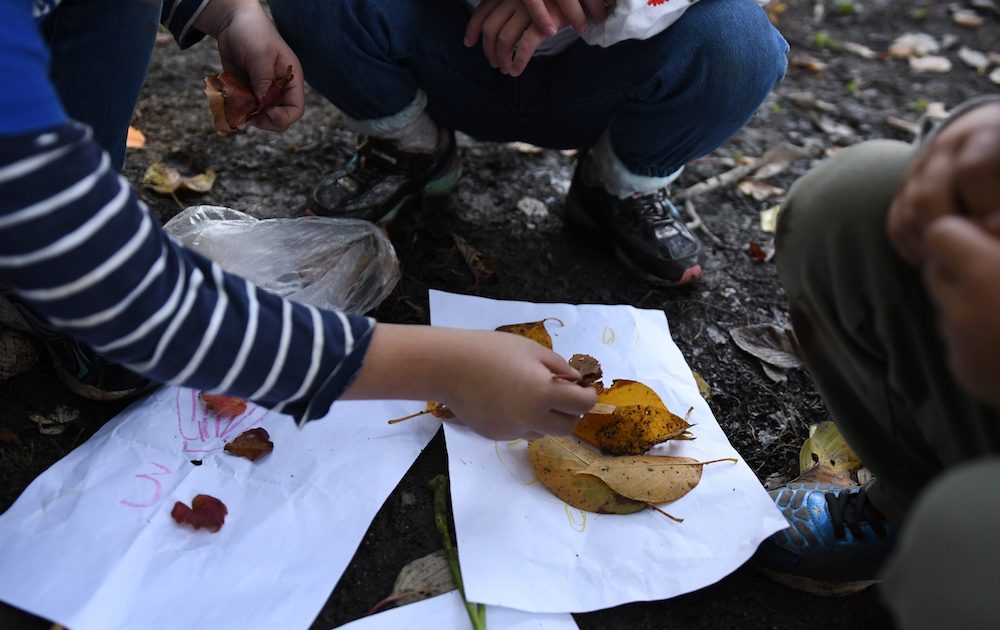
[{"x": 79, "y": 248}]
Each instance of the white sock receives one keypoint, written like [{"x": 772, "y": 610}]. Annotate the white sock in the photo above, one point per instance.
[
  {"x": 608, "y": 170},
  {"x": 412, "y": 127}
]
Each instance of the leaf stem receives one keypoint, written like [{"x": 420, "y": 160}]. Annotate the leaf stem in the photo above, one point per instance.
[
  {"x": 477, "y": 612},
  {"x": 412, "y": 415}
]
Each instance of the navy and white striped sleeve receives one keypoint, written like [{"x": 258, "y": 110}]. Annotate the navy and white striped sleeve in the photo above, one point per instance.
[
  {"x": 179, "y": 16},
  {"x": 85, "y": 255}
]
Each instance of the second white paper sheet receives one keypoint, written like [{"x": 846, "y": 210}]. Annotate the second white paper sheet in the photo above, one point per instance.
[{"x": 521, "y": 547}]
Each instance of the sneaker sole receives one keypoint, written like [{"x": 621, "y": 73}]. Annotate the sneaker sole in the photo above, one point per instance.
[{"x": 576, "y": 214}]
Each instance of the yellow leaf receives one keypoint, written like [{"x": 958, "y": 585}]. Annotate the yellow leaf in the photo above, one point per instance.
[
  {"x": 165, "y": 180},
  {"x": 558, "y": 461},
  {"x": 649, "y": 478},
  {"x": 825, "y": 445},
  {"x": 639, "y": 421},
  {"x": 533, "y": 330}
]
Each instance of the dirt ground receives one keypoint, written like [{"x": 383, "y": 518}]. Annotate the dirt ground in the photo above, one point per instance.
[{"x": 538, "y": 257}]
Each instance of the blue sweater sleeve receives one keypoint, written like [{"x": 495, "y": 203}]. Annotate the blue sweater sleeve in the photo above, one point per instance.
[{"x": 83, "y": 253}]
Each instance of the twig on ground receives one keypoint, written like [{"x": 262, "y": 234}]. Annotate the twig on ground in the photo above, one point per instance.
[{"x": 697, "y": 223}]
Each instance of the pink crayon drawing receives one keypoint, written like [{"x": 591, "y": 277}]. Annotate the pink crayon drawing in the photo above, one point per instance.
[
  {"x": 157, "y": 487},
  {"x": 207, "y": 432}
]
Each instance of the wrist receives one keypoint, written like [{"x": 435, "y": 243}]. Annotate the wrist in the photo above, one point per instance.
[{"x": 216, "y": 15}]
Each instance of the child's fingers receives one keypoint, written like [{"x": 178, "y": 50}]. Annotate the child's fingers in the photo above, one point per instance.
[
  {"x": 492, "y": 27},
  {"x": 573, "y": 10},
  {"x": 508, "y": 38},
  {"x": 596, "y": 9},
  {"x": 540, "y": 15},
  {"x": 526, "y": 48},
  {"x": 475, "y": 26}
]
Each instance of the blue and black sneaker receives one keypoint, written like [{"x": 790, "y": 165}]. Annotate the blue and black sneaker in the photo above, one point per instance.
[{"x": 835, "y": 544}]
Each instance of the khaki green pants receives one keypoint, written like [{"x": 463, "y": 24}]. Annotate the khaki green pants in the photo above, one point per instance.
[{"x": 869, "y": 336}]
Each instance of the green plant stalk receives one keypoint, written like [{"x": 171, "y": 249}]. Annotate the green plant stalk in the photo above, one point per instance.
[{"x": 477, "y": 612}]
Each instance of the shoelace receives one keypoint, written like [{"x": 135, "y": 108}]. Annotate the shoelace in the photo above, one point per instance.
[
  {"x": 850, "y": 509},
  {"x": 656, "y": 207}
]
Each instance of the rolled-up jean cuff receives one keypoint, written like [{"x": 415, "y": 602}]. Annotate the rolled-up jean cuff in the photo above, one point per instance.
[{"x": 389, "y": 126}]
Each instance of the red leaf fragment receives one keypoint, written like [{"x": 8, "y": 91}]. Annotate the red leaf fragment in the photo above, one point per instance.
[
  {"x": 223, "y": 405},
  {"x": 251, "y": 444},
  {"x": 233, "y": 103},
  {"x": 205, "y": 512}
]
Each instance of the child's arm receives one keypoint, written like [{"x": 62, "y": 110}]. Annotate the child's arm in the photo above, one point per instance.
[
  {"x": 498, "y": 384},
  {"x": 575, "y": 11}
]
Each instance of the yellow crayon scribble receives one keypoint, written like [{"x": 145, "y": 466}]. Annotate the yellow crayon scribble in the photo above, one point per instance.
[
  {"x": 577, "y": 525},
  {"x": 608, "y": 336}
]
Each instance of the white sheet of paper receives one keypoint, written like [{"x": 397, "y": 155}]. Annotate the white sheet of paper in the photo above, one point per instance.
[
  {"x": 91, "y": 543},
  {"x": 447, "y": 612},
  {"x": 522, "y": 548}
]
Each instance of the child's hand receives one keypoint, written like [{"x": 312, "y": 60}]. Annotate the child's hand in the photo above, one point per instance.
[
  {"x": 498, "y": 384},
  {"x": 511, "y": 387},
  {"x": 511, "y": 31}
]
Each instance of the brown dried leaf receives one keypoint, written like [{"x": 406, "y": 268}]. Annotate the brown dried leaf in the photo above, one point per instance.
[
  {"x": 649, "y": 478},
  {"x": 135, "y": 139},
  {"x": 223, "y": 405},
  {"x": 558, "y": 461},
  {"x": 205, "y": 512},
  {"x": 233, "y": 103},
  {"x": 589, "y": 369},
  {"x": 770, "y": 343},
  {"x": 639, "y": 421},
  {"x": 166, "y": 180},
  {"x": 251, "y": 444},
  {"x": 482, "y": 267},
  {"x": 421, "y": 579}
]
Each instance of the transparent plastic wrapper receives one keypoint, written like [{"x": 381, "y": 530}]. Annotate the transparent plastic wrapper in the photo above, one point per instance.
[{"x": 345, "y": 264}]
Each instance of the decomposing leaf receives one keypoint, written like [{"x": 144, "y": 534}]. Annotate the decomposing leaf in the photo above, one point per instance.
[
  {"x": 914, "y": 45},
  {"x": 825, "y": 445},
  {"x": 808, "y": 100},
  {"x": 134, "y": 139},
  {"x": 251, "y": 444},
  {"x": 166, "y": 180},
  {"x": 421, "y": 579},
  {"x": 482, "y": 267},
  {"x": 9, "y": 437},
  {"x": 809, "y": 63},
  {"x": 639, "y": 421},
  {"x": 760, "y": 253},
  {"x": 532, "y": 330},
  {"x": 931, "y": 63},
  {"x": 557, "y": 460},
  {"x": 769, "y": 219},
  {"x": 759, "y": 190},
  {"x": 223, "y": 405},
  {"x": 18, "y": 353},
  {"x": 589, "y": 369},
  {"x": 205, "y": 512},
  {"x": 770, "y": 343},
  {"x": 860, "y": 50},
  {"x": 974, "y": 59},
  {"x": 233, "y": 103},
  {"x": 967, "y": 18},
  {"x": 650, "y": 478},
  {"x": 55, "y": 423},
  {"x": 703, "y": 387}
]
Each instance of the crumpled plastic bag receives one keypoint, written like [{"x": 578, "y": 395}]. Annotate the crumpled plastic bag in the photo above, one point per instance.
[{"x": 345, "y": 264}]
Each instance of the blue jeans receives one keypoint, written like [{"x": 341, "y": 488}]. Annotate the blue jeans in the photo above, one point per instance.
[
  {"x": 664, "y": 101},
  {"x": 100, "y": 54}
]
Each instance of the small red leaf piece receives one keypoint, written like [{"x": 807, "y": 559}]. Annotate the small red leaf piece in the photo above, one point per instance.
[
  {"x": 233, "y": 103},
  {"x": 223, "y": 405},
  {"x": 205, "y": 512},
  {"x": 251, "y": 444}
]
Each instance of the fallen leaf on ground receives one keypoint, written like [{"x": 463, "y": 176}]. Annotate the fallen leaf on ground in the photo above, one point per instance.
[
  {"x": 589, "y": 369},
  {"x": 9, "y": 437},
  {"x": 524, "y": 148},
  {"x": 974, "y": 59},
  {"x": 769, "y": 219},
  {"x": 967, "y": 18},
  {"x": 206, "y": 512},
  {"x": 703, "y": 387},
  {"x": 772, "y": 344},
  {"x": 825, "y": 445},
  {"x": 760, "y": 253},
  {"x": 55, "y": 423},
  {"x": 914, "y": 45},
  {"x": 931, "y": 63},
  {"x": 18, "y": 353},
  {"x": 482, "y": 267},
  {"x": 135, "y": 139},
  {"x": 166, "y": 180},
  {"x": 251, "y": 444},
  {"x": 223, "y": 405},
  {"x": 809, "y": 63},
  {"x": 233, "y": 103},
  {"x": 995, "y": 76},
  {"x": 860, "y": 50},
  {"x": 421, "y": 579},
  {"x": 639, "y": 421}
]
